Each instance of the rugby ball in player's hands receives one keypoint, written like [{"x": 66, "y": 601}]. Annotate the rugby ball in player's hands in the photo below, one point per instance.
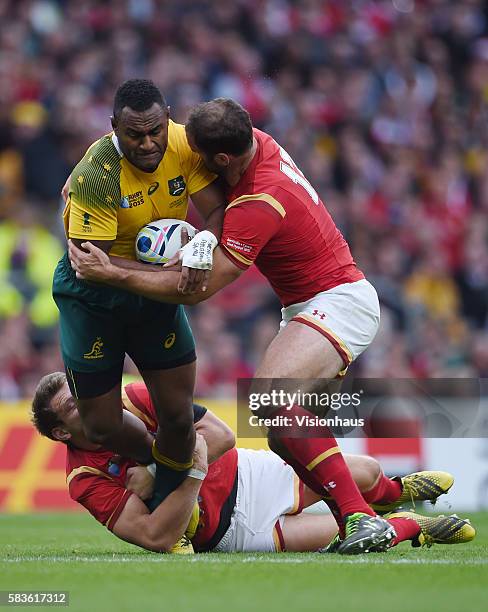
[{"x": 159, "y": 241}]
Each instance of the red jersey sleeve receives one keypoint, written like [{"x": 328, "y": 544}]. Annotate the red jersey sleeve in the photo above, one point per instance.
[
  {"x": 103, "y": 497},
  {"x": 249, "y": 223},
  {"x": 136, "y": 399}
]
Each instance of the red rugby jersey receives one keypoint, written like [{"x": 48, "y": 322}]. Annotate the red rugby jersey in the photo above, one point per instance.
[
  {"x": 276, "y": 220},
  {"x": 103, "y": 493}
]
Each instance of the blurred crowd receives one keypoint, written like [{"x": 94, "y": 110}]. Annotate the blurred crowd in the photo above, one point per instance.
[{"x": 382, "y": 104}]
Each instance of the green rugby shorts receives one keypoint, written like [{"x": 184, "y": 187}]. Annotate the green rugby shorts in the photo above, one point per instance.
[{"x": 100, "y": 324}]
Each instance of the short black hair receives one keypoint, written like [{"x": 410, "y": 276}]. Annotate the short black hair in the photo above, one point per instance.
[
  {"x": 220, "y": 126},
  {"x": 43, "y": 416},
  {"x": 137, "y": 94}
]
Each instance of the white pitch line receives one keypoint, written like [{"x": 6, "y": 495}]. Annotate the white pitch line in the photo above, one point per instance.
[{"x": 235, "y": 558}]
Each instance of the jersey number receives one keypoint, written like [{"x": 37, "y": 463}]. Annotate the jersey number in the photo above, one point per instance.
[{"x": 288, "y": 167}]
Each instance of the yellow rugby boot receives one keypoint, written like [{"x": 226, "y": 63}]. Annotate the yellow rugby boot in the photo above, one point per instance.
[
  {"x": 419, "y": 486},
  {"x": 183, "y": 547},
  {"x": 438, "y": 529}
]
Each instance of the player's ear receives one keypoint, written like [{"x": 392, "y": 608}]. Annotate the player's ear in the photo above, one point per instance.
[
  {"x": 222, "y": 160},
  {"x": 61, "y": 434}
]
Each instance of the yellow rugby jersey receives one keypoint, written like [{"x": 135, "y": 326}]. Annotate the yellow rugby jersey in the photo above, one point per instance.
[{"x": 110, "y": 199}]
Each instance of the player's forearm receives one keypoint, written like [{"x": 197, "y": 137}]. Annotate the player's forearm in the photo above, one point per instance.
[
  {"x": 215, "y": 221},
  {"x": 160, "y": 285},
  {"x": 169, "y": 521},
  {"x": 163, "y": 285},
  {"x": 131, "y": 264}
]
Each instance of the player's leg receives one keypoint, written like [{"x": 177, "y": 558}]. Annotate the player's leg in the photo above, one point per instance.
[
  {"x": 307, "y": 532},
  {"x": 106, "y": 424},
  {"x": 172, "y": 394},
  {"x": 165, "y": 356},
  {"x": 92, "y": 345},
  {"x": 307, "y": 347},
  {"x": 367, "y": 474},
  {"x": 300, "y": 351}
]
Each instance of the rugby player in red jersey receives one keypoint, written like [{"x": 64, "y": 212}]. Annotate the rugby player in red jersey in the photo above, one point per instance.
[
  {"x": 330, "y": 313},
  {"x": 232, "y": 499}
]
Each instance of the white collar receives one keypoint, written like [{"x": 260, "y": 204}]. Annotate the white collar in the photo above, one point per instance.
[{"x": 115, "y": 140}]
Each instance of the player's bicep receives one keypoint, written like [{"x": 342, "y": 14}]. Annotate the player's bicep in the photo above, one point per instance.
[
  {"x": 218, "y": 435},
  {"x": 92, "y": 223},
  {"x": 248, "y": 227},
  {"x": 94, "y": 198}
]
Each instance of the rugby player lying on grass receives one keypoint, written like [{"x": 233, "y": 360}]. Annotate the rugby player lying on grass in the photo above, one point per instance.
[{"x": 244, "y": 500}]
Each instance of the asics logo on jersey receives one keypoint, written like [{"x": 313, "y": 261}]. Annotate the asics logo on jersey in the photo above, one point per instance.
[
  {"x": 152, "y": 188},
  {"x": 96, "y": 350},
  {"x": 176, "y": 186}
]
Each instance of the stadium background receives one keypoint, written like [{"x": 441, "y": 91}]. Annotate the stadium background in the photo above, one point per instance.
[{"x": 383, "y": 105}]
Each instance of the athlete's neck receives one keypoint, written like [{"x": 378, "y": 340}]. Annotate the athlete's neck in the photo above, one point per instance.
[
  {"x": 83, "y": 443},
  {"x": 239, "y": 165}
]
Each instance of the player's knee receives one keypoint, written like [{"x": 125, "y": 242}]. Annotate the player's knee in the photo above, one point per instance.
[
  {"x": 370, "y": 470},
  {"x": 101, "y": 433}
]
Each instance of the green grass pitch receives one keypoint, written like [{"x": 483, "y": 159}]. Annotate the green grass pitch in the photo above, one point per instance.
[{"x": 73, "y": 553}]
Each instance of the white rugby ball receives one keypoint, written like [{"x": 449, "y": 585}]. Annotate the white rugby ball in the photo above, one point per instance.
[{"x": 159, "y": 241}]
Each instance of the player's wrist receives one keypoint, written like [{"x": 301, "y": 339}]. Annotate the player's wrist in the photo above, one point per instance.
[
  {"x": 200, "y": 466},
  {"x": 197, "y": 473},
  {"x": 198, "y": 253},
  {"x": 118, "y": 274},
  {"x": 206, "y": 234}
]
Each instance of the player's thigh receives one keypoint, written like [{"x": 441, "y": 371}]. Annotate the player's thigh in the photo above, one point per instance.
[
  {"x": 348, "y": 316},
  {"x": 299, "y": 351},
  {"x": 163, "y": 349},
  {"x": 161, "y": 338},
  {"x": 268, "y": 489},
  {"x": 101, "y": 414},
  {"x": 92, "y": 335},
  {"x": 307, "y": 532}
]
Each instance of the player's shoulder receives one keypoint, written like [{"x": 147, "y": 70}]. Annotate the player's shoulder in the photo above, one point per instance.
[
  {"x": 267, "y": 200},
  {"x": 98, "y": 171},
  {"x": 102, "y": 155},
  {"x": 101, "y": 162},
  {"x": 177, "y": 141}
]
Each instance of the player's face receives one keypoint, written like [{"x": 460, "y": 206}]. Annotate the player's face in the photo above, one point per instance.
[
  {"x": 64, "y": 405},
  {"x": 210, "y": 161},
  {"x": 143, "y": 136}
]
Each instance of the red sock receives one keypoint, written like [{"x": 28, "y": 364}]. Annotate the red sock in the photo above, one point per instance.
[
  {"x": 311, "y": 482},
  {"x": 319, "y": 455},
  {"x": 385, "y": 491},
  {"x": 406, "y": 529}
]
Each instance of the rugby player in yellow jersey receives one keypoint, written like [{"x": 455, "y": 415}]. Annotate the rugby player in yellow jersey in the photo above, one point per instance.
[{"x": 143, "y": 171}]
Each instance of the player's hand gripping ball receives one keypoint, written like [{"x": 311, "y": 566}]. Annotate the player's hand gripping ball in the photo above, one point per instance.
[{"x": 159, "y": 241}]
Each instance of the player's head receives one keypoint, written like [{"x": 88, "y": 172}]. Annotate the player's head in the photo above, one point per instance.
[
  {"x": 54, "y": 411},
  {"x": 220, "y": 131},
  {"x": 140, "y": 122}
]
